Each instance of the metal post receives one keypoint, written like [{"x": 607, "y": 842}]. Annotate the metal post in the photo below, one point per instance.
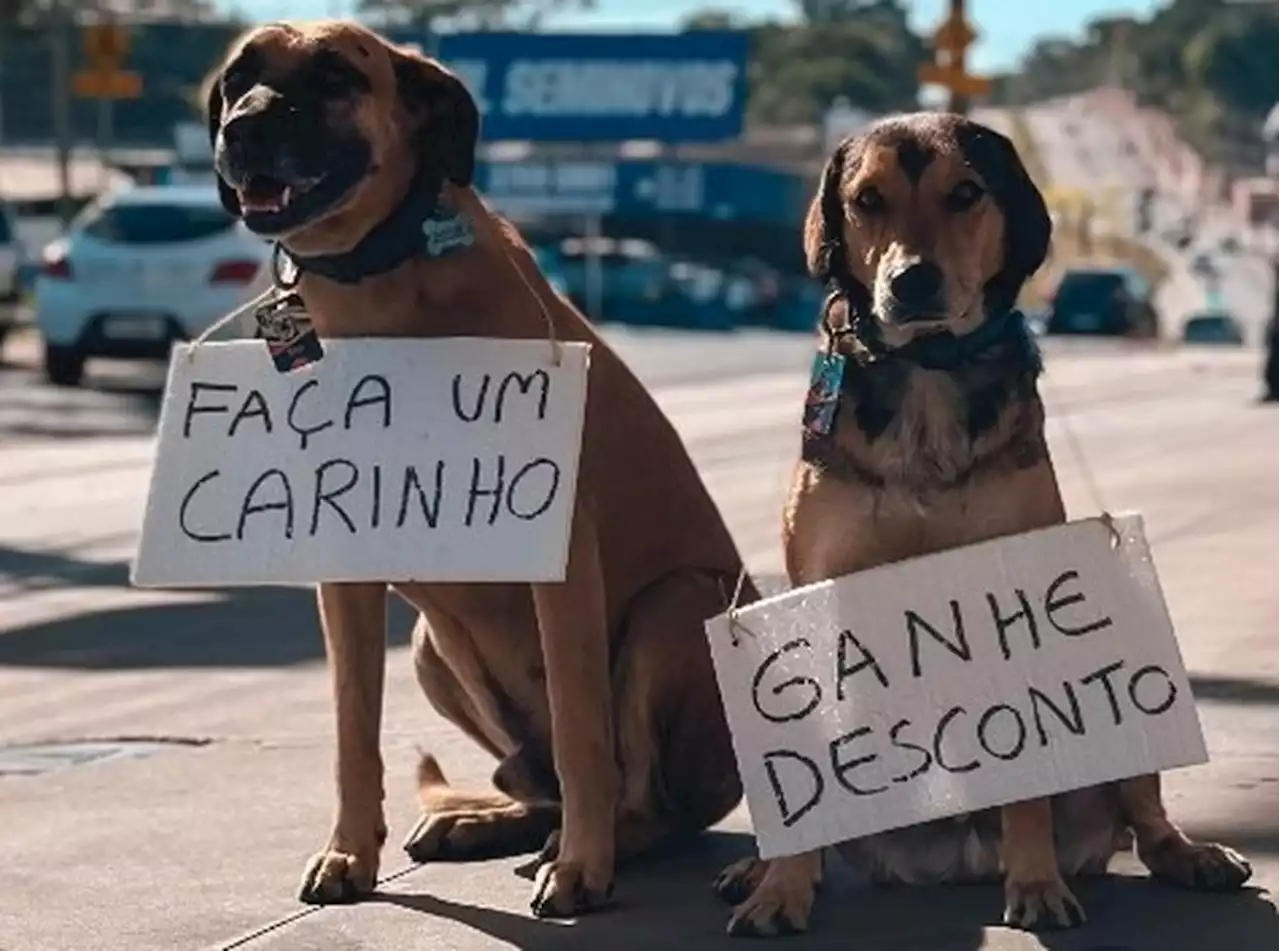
[
  {"x": 956, "y": 101},
  {"x": 105, "y": 133},
  {"x": 61, "y": 92},
  {"x": 593, "y": 267}
]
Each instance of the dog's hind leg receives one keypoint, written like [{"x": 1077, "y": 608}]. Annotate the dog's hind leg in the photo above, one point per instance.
[
  {"x": 1167, "y": 851},
  {"x": 458, "y": 825},
  {"x": 679, "y": 775}
]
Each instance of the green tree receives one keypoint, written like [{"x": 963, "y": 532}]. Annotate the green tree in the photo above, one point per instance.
[
  {"x": 1210, "y": 64},
  {"x": 860, "y": 50}
]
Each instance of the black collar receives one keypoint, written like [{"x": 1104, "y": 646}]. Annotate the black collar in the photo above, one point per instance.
[
  {"x": 939, "y": 351},
  {"x": 390, "y": 243},
  {"x": 946, "y": 351}
]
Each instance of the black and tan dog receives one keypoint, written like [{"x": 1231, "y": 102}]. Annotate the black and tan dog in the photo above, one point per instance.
[
  {"x": 926, "y": 227},
  {"x": 597, "y": 695}
]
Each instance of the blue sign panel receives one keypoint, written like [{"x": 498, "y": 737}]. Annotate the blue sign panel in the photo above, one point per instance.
[
  {"x": 643, "y": 189},
  {"x": 572, "y": 87}
]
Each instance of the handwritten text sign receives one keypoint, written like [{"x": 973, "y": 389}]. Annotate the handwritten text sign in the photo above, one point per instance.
[
  {"x": 1003, "y": 671},
  {"x": 388, "y": 460}
]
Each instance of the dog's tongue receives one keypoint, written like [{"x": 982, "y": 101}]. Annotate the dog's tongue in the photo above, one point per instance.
[{"x": 263, "y": 193}]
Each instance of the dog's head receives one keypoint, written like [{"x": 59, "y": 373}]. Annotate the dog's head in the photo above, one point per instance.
[
  {"x": 318, "y": 129},
  {"x": 929, "y": 222}
]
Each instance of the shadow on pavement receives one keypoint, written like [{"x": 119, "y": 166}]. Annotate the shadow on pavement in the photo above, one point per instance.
[
  {"x": 256, "y": 627},
  {"x": 668, "y": 904},
  {"x": 239, "y": 627},
  {"x": 1244, "y": 690},
  {"x": 106, "y": 405}
]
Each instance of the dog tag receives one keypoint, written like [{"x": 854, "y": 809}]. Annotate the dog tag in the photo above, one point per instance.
[
  {"x": 823, "y": 398},
  {"x": 283, "y": 323},
  {"x": 444, "y": 231}
]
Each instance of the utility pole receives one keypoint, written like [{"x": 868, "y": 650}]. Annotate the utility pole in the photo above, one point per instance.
[
  {"x": 106, "y": 44},
  {"x": 1119, "y": 65},
  {"x": 950, "y": 44},
  {"x": 60, "y": 54}
]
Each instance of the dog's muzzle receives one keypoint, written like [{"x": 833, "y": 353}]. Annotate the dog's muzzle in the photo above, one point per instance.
[
  {"x": 269, "y": 151},
  {"x": 916, "y": 293}
]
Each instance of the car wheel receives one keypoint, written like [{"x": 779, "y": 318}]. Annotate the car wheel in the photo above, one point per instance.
[{"x": 63, "y": 366}]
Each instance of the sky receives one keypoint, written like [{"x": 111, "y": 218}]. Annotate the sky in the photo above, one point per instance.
[{"x": 1006, "y": 28}]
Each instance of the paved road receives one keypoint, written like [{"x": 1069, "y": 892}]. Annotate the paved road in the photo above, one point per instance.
[
  {"x": 195, "y": 838},
  {"x": 1095, "y": 142}
]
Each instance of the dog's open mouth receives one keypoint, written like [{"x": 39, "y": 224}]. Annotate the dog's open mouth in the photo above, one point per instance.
[
  {"x": 262, "y": 194},
  {"x": 272, "y": 205}
]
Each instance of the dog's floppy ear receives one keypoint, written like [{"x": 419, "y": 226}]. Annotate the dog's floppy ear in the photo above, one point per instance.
[
  {"x": 1027, "y": 225},
  {"x": 824, "y": 223},
  {"x": 213, "y": 104},
  {"x": 449, "y": 120},
  {"x": 825, "y": 252}
]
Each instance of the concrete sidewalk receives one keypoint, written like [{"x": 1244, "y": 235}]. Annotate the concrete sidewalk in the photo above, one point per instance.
[
  {"x": 200, "y": 848},
  {"x": 199, "y": 840}
]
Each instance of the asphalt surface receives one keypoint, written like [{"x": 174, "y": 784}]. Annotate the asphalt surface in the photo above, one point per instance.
[
  {"x": 1097, "y": 144},
  {"x": 194, "y": 836},
  {"x": 165, "y": 757}
]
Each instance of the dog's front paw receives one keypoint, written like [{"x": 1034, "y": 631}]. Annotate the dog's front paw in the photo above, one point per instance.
[
  {"x": 338, "y": 877},
  {"x": 1041, "y": 904},
  {"x": 738, "y": 880},
  {"x": 564, "y": 888},
  {"x": 345, "y": 870},
  {"x": 1203, "y": 866},
  {"x": 780, "y": 903}
]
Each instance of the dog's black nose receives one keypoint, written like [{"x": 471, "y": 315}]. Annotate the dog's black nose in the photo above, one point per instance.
[
  {"x": 246, "y": 137},
  {"x": 918, "y": 288}
]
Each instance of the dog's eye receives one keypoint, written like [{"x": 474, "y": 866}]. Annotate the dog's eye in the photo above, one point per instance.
[
  {"x": 964, "y": 196},
  {"x": 869, "y": 199},
  {"x": 333, "y": 75}
]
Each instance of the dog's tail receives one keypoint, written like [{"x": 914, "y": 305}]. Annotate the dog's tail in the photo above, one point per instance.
[
  {"x": 429, "y": 771},
  {"x": 433, "y": 788},
  {"x": 436, "y": 795}
]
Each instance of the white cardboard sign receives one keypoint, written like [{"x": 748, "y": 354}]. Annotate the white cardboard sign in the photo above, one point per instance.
[
  {"x": 387, "y": 460},
  {"x": 1002, "y": 671}
]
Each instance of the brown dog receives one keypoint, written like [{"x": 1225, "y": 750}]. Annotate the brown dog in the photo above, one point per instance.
[
  {"x": 926, "y": 227},
  {"x": 597, "y": 694}
]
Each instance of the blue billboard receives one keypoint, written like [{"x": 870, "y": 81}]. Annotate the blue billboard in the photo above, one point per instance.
[
  {"x": 643, "y": 189},
  {"x": 575, "y": 87}
]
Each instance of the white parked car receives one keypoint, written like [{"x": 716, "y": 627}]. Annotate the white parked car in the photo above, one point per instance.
[{"x": 139, "y": 269}]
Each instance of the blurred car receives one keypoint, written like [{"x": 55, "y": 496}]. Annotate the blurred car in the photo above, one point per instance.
[
  {"x": 632, "y": 274},
  {"x": 1213, "y": 327},
  {"x": 704, "y": 296},
  {"x": 139, "y": 269},
  {"x": 11, "y": 258},
  {"x": 11, "y": 264},
  {"x": 1103, "y": 302}
]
